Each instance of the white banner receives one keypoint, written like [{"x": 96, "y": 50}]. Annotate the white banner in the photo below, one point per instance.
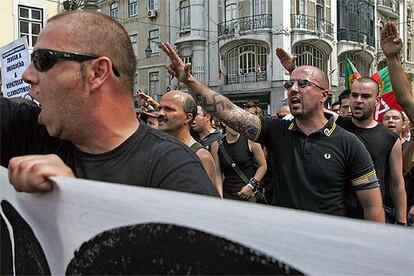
[
  {"x": 88, "y": 227},
  {"x": 15, "y": 58}
]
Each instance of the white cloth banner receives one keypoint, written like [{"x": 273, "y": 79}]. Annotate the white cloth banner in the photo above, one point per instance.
[
  {"x": 15, "y": 58},
  {"x": 205, "y": 235}
]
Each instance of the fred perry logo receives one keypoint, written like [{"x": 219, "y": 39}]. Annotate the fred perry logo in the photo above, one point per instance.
[{"x": 327, "y": 156}]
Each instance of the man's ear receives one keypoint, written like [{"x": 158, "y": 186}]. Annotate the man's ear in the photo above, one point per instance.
[
  {"x": 325, "y": 94},
  {"x": 188, "y": 118},
  {"x": 101, "y": 70}
]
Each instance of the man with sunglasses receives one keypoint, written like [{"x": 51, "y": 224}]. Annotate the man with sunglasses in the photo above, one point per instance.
[
  {"x": 82, "y": 74},
  {"x": 313, "y": 161}
]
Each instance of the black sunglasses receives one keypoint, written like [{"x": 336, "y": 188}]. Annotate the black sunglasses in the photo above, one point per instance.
[
  {"x": 301, "y": 83},
  {"x": 45, "y": 59}
]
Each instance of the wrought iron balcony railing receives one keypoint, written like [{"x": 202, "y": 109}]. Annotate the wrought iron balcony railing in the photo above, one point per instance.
[
  {"x": 392, "y": 4},
  {"x": 312, "y": 24},
  {"x": 245, "y": 24},
  {"x": 246, "y": 77},
  {"x": 356, "y": 36}
]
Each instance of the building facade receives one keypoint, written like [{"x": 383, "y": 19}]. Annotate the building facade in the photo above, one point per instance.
[
  {"x": 147, "y": 24},
  {"x": 20, "y": 18},
  {"x": 231, "y": 43}
]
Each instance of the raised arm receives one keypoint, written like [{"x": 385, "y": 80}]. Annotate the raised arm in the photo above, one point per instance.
[
  {"x": 397, "y": 187},
  {"x": 391, "y": 46},
  {"x": 288, "y": 62},
  {"x": 213, "y": 102}
]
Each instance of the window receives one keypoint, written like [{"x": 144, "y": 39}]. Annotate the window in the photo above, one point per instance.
[
  {"x": 360, "y": 64},
  {"x": 246, "y": 63},
  {"x": 300, "y": 7},
  {"x": 153, "y": 4},
  {"x": 310, "y": 55},
  {"x": 154, "y": 36},
  {"x": 187, "y": 55},
  {"x": 259, "y": 7},
  {"x": 231, "y": 12},
  {"x": 320, "y": 9},
  {"x": 132, "y": 8},
  {"x": 134, "y": 42},
  {"x": 30, "y": 23},
  {"x": 154, "y": 84},
  {"x": 114, "y": 10},
  {"x": 185, "y": 15}
]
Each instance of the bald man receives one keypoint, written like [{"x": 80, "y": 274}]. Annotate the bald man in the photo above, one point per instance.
[
  {"x": 313, "y": 161},
  {"x": 87, "y": 126},
  {"x": 177, "y": 112}
]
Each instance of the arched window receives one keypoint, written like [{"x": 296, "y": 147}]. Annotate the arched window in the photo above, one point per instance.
[
  {"x": 310, "y": 55},
  {"x": 246, "y": 63},
  {"x": 360, "y": 64}
]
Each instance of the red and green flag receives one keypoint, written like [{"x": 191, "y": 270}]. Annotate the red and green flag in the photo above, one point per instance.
[
  {"x": 387, "y": 98},
  {"x": 351, "y": 73}
]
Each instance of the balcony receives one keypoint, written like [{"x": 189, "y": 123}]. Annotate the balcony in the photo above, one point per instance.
[
  {"x": 312, "y": 24},
  {"x": 246, "y": 78},
  {"x": 356, "y": 36},
  {"x": 391, "y": 8},
  {"x": 245, "y": 24}
]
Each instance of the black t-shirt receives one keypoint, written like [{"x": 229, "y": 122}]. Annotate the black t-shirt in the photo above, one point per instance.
[
  {"x": 147, "y": 158},
  {"x": 313, "y": 172},
  {"x": 379, "y": 142}
]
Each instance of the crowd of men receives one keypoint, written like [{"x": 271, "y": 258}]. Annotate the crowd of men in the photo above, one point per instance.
[{"x": 86, "y": 127}]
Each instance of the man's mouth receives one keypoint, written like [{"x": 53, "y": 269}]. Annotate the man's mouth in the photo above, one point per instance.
[{"x": 295, "y": 100}]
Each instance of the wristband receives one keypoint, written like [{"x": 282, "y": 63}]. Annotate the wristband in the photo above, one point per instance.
[
  {"x": 251, "y": 186},
  {"x": 253, "y": 183}
]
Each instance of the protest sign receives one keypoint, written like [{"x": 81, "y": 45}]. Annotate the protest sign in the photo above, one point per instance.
[
  {"x": 15, "y": 58},
  {"x": 90, "y": 227}
]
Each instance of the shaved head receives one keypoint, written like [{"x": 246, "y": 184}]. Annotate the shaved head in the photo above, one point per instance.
[
  {"x": 189, "y": 105},
  {"x": 84, "y": 36},
  {"x": 316, "y": 75}
]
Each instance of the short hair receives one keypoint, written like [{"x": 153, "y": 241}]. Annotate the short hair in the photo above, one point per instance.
[
  {"x": 346, "y": 94},
  {"x": 205, "y": 113},
  {"x": 369, "y": 80},
  {"x": 100, "y": 34},
  {"x": 190, "y": 106},
  {"x": 336, "y": 103},
  {"x": 399, "y": 111}
]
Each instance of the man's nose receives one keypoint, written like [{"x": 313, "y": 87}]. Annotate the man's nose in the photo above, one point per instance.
[{"x": 28, "y": 75}]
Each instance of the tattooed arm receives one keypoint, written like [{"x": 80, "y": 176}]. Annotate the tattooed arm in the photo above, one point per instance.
[{"x": 213, "y": 102}]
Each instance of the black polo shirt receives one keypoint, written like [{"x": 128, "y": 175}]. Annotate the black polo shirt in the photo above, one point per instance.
[{"x": 313, "y": 172}]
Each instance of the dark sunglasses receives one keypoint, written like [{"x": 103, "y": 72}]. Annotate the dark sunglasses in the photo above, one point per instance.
[
  {"x": 301, "y": 83},
  {"x": 45, "y": 59}
]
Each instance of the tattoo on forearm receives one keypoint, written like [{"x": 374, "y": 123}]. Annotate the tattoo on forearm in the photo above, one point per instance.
[{"x": 237, "y": 118}]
